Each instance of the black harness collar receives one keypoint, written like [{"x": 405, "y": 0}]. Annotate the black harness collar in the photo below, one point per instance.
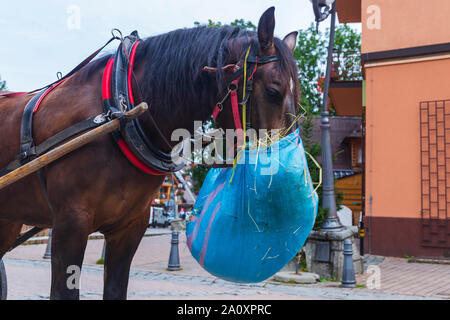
[{"x": 121, "y": 100}]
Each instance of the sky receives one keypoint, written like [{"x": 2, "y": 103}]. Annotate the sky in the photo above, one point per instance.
[{"x": 41, "y": 38}]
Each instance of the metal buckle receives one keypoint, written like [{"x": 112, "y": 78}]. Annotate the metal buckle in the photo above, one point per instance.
[
  {"x": 123, "y": 102},
  {"x": 100, "y": 118}
]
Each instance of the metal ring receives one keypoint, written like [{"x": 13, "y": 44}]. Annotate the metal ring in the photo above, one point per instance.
[{"x": 116, "y": 30}]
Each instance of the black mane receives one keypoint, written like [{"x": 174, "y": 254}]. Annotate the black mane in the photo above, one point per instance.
[{"x": 174, "y": 61}]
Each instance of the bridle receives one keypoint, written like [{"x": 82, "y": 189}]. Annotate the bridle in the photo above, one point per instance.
[{"x": 251, "y": 63}]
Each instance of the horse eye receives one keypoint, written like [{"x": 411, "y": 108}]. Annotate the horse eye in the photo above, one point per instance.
[{"x": 274, "y": 93}]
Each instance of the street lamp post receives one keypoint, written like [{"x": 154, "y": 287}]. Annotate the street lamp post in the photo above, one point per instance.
[
  {"x": 322, "y": 9},
  {"x": 326, "y": 258},
  {"x": 174, "y": 256}
]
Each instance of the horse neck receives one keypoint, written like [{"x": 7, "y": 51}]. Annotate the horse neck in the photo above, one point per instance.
[
  {"x": 183, "y": 93},
  {"x": 161, "y": 120}
]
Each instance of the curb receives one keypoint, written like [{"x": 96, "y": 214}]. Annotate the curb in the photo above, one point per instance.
[
  {"x": 300, "y": 278},
  {"x": 429, "y": 261},
  {"x": 94, "y": 236}
]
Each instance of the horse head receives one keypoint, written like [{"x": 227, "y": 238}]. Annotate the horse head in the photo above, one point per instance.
[{"x": 267, "y": 90}]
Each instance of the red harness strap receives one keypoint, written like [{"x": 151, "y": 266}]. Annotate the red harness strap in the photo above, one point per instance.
[
  {"x": 234, "y": 105},
  {"x": 136, "y": 161},
  {"x": 130, "y": 71},
  {"x": 106, "y": 93},
  {"x": 232, "y": 93},
  {"x": 106, "y": 81},
  {"x": 52, "y": 87},
  {"x": 12, "y": 94},
  {"x": 38, "y": 103}
]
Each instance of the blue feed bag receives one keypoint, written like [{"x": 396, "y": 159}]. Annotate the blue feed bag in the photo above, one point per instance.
[{"x": 250, "y": 221}]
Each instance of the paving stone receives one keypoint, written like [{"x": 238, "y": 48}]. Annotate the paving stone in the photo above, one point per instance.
[{"x": 29, "y": 278}]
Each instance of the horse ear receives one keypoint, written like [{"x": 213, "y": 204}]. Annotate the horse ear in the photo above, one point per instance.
[
  {"x": 291, "y": 40},
  {"x": 266, "y": 26}
]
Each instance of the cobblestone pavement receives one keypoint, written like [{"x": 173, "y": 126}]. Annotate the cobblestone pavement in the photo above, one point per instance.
[
  {"x": 399, "y": 276},
  {"x": 29, "y": 278}
]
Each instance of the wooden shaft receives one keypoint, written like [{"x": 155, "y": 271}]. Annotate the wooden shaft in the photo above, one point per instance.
[{"x": 69, "y": 146}]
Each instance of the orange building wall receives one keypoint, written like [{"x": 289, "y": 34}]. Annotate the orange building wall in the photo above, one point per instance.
[
  {"x": 393, "y": 94},
  {"x": 406, "y": 23}
]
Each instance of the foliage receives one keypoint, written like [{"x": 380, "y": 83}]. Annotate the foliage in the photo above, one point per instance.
[
  {"x": 301, "y": 264},
  {"x": 314, "y": 149},
  {"x": 2, "y": 85},
  {"x": 241, "y": 23},
  {"x": 311, "y": 56},
  {"x": 198, "y": 174},
  {"x": 331, "y": 279},
  {"x": 347, "y": 49},
  {"x": 247, "y": 25},
  {"x": 346, "y": 39}
]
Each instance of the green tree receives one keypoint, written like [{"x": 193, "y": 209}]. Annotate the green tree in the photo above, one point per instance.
[
  {"x": 314, "y": 150},
  {"x": 311, "y": 56},
  {"x": 2, "y": 84},
  {"x": 241, "y": 23},
  {"x": 246, "y": 25}
]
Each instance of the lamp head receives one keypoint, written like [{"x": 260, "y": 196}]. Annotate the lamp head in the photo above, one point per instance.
[{"x": 322, "y": 9}]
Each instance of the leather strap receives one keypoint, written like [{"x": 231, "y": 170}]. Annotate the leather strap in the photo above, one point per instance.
[
  {"x": 131, "y": 138},
  {"x": 27, "y": 235},
  {"x": 235, "y": 105},
  {"x": 262, "y": 59},
  {"x": 53, "y": 141},
  {"x": 26, "y": 129}
]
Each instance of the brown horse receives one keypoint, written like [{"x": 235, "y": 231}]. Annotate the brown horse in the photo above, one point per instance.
[{"x": 96, "y": 188}]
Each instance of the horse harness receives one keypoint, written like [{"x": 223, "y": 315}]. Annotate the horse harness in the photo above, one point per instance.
[{"x": 117, "y": 98}]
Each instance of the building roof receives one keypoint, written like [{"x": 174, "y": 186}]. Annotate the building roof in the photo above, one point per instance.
[
  {"x": 357, "y": 133},
  {"x": 339, "y": 174},
  {"x": 342, "y": 128},
  {"x": 349, "y": 11}
]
